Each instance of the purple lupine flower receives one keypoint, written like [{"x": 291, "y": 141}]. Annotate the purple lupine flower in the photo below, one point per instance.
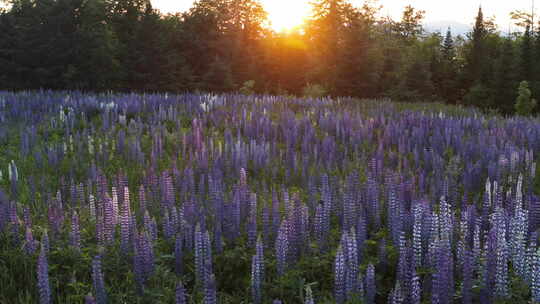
[
  {"x": 252, "y": 222},
  {"x": 382, "y": 254},
  {"x": 153, "y": 232},
  {"x": 207, "y": 257},
  {"x": 14, "y": 221},
  {"x": 98, "y": 281},
  {"x": 142, "y": 199},
  {"x": 174, "y": 220},
  {"x": 402, "y": 262},
  {"x": 180, "y": 294},
  {"x": 45, "y": 242},
  {"x": 144, "y": 259},
  {"x": 535, "y": 277},
  {"x": 276, "y": 215},
  {"x": 148, "y": 247},
  {"x": 43, "y": 276},
  {"x": 396, "y": 295},
  {"x": 109, "y": 220},
  {"x": 373, "y": 201},
  {"x": 361, "y": 235},
  {"x": 167, "y": 227},
  {"x": 467, "y": 277},
  {"x": 416, "y": 292},
  {"x": 178, "y": 255},
  {"x": 370, "y": 284},
  {"x": 326, "y": 196},
  {"x": 75, "y": 234},
  {"x": 210, "y": 293},
  {"x": 530, "y": 257},
  {"x": 147, "y": 221},
  {"x": 417, "y": 235},
  {"x": 318, "y": 223},
  {"x": 443, "y": 284},
  {"x": 501, "y": 274},
  {"x": 199, "y": 255},
  {"x": 139, "y": 265},
  {"x": 100, "y": 230},
  {"x": 267, "y": 229},
  {"x": 257, "y": 272},
  {"x": 26, "y": 217},
  {"x": 30, "y": 244},
  {"x": 89, "y": 300},
  {"x": 477, "y": 249},
  {"x": 518, "y": 227},
  {"x": 282, "y": 248},
  {"x": 236, "y": 212},
  {"x": 340, "y": 276},
  {"x": 203, "y": 257},
  {"x": 125, "y": 227},
  {"x": 351, "y": 260},
  {"x": 276, "y": 302},
  {"x": 115, "y": 208}
]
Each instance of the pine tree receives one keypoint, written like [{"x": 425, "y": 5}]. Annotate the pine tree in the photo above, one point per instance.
[
  {"x": 448, "y": 83},
  {"x": 526, "y": 57},
  {"x": 448, "y": 49},
  {"x": 505, "y": 79},
  {"x": 477, "y": 56}
]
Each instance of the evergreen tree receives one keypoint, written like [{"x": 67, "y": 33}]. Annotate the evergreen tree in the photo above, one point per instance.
[
  {"x": 525, "y": 104},
  {"x": 326, "y": 30},
  {"x": 448, "y": 50},
  {"x": 526, "y": 58},
  {"x": 505, "y": 81},
  {"x": 219, "y": 77},
  {"x": 448, "y": 84},
  {"x": 477, "y": 57}
]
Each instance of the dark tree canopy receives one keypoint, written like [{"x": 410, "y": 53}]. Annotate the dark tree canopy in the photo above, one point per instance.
[{"x": 219, "y": 45}]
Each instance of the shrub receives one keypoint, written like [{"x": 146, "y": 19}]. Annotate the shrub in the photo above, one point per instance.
[
  {"x": 478, "y": 96},
  {"x": 525, "y": 104},
  {"x": 248, "y": 87},
  {"x": 315, "y": 91}
]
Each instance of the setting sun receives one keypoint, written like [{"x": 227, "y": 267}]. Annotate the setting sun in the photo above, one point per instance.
[{"x": 286, "y": 14}]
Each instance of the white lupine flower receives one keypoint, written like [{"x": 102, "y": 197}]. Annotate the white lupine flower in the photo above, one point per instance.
[
  {"x": 90, "y": 145},
  {"x": 13, "y": 172},
  {"x": 62, "y": 114}
]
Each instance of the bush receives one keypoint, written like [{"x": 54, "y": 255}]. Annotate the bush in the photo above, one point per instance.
[
  {"x": 524, "y": 103},
  {"x": 478, "y": 96},
  {"x": 315, "y": 91},
  {"x": 248, "y": 87}
]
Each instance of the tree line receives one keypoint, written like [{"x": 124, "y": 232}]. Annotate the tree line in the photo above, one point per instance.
[{"x": 227, "y": 45}]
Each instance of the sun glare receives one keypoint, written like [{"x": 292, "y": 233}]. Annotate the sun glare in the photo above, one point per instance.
[{"x": 286, "y": 14}]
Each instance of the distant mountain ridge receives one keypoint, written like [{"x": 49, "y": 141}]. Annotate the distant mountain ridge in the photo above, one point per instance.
[{"x": 441, "y": 26}]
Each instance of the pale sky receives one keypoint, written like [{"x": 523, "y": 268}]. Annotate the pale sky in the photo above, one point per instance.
[{"x": 462, "y": 11}]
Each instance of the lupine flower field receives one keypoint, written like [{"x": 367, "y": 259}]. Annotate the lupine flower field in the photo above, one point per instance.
[{"x": 258, "y": 199}]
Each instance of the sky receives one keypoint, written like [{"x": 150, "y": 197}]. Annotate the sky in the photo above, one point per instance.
[{"x": 455, "y": 11}]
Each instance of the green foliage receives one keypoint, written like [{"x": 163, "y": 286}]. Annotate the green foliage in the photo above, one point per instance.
[
  {"x": 505, "y": 82},
  {"x": 248, "y": 88},
  {"x": 525, "y": 104},
  {"x": 479, "y": 96},
  {"x": 315, "y": 91}
]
